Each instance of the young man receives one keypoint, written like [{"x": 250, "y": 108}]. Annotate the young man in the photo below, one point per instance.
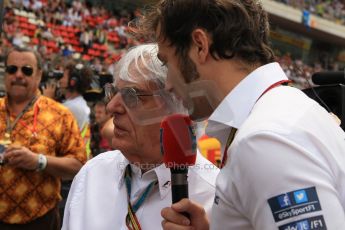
[
  {"x": 42, "y": 146},
  {"x": 283, "y": 154},
  {"x": 101, "y": 193}
]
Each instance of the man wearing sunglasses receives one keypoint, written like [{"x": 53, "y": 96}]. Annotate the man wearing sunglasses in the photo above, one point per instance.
[
  {"x": 98, "y": 198},
  {"x": 41, "y": 144}
]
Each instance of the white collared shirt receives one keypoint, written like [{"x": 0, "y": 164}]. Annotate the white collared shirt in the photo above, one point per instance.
[
  {"x": 98, "y": 196},
  {"x": 286, "y": 165}
]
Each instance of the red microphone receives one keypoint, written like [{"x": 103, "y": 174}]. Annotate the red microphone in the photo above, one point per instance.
[{"x": 178, "y": 146}]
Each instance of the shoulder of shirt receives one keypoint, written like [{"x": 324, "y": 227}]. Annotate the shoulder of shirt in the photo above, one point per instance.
[
  {"x": 2, "y": 103},
  {"x": 103, "y": 159},
  {"x": 205, "y": 170},
  {"x": 276, "y": 111},
  {"x": 79, "y": 105},
  {"x": 46, "y": 101},
  {"x": 102, "y": 163}
]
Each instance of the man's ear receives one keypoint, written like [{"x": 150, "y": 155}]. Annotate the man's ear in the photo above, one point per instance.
[{"x": 201, "y": 43}]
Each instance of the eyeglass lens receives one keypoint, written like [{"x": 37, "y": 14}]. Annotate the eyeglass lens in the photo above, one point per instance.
[
  {"x": 128, "y": 94},
  {"x": 26, "y": 70}
]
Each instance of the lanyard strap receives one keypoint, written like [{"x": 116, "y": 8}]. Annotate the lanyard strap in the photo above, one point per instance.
[
  {"x": 33, "y": 129},
  {"x": 131, "y": 219},
  {"x": 282, "y": 82},
  {"x": 234, "y": 130},
  {"x": 9, "y": 126}
]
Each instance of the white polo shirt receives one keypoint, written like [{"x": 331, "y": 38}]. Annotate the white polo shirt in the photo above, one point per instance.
[
  {"x": 286, "y": 165},
  {"x": 98, "y": 196},
  {"x": 80, "y": 110}
]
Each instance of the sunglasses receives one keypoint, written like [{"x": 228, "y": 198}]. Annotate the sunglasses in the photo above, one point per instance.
[
  {"x": 26, "y": 70},
  {"x": 130, "y": 95}
]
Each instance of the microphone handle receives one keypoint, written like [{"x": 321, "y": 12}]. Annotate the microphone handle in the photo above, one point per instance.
[
  {"x": 179, "y": 192},
  {"x": 179, "y": 185}
]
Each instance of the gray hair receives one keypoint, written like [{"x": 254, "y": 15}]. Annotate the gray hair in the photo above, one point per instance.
[
  {"x": 21, "y": 50},
  {"x": 141, "y": 63}
]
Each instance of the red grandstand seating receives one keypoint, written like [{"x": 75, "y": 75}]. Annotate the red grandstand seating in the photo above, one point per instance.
[
  {"x": 70, "y": 34},
  {"x": 86, "y": 57},
  {"x": 74, "y": 42},
  {"x": 51, "y": 44},
  {"x": 99, "y": 47},
  {"x": 32, "y": 27},
  {"x": 78, "y": 49},
  {"x": 66, "y": 40},
  {"x": 95, "y": 45},
  {"x": 22, "y": 19},
  {"x": 64, "y": 34},
  {"x": 34, "y": 41},
  {"x": 24, "y": 25},
  {"x": 56, "y": 32},
  {"x": 70, "y": 29}
]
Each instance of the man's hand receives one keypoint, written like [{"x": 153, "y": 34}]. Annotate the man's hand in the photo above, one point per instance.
[
  {"x": 20, "y": 157},
  {"x": 49, "y": 90},
  {"x": 175, "y": 220}
]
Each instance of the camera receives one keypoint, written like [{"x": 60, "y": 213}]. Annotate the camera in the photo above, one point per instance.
[
  {"x": 51, "y": 77},
  {"x": 55, "y": 74},
  {"x": 105, "y": 78}
]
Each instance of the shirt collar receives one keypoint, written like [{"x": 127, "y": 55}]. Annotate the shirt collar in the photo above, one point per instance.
[
  {"x": 236, "y": 106},
  {"x": 161, "y": 173},
  {"x": 164, "y": 176},
  {"x": 30, "y": 111}
]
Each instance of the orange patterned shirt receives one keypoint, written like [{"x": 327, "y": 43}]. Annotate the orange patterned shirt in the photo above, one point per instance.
[{"x": 27, "y": 194}]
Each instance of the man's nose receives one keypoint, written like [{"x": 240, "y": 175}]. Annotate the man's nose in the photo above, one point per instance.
[
  {"x": 116, "y": 105},
  {"x": 19, "y": 73}
]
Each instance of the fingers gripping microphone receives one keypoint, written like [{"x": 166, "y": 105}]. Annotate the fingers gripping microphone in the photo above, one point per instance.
[{"x": 178, "y": 146}]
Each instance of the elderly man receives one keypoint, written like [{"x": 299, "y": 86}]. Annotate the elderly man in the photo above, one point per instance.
[
  {"x": 40, "y": 145},
  {"x": 100, "y": 195}
]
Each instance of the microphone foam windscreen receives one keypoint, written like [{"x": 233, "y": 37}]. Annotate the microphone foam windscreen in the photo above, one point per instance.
[{"x": 178, "y": 141}]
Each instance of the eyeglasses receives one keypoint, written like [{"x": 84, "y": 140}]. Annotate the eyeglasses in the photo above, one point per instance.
[
  {"x": 130, "y": 95},
  {"x": 26, "y": 70}
]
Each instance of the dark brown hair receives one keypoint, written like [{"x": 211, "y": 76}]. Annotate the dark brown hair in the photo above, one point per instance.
[
  {"x": 82, "y": 76},
  {"x": 237, "y": 28},
  {"x": 23, "y": 50}
]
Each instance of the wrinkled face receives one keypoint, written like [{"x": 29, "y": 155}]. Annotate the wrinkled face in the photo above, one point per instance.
[
  {"x": 137, "y": 140},
  {"x": 101, "y": 115},
  {"x": 22, "y": 76}
]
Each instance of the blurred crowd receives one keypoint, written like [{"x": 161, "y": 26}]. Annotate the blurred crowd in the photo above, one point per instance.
[
  {"x": 76, "y": 30},
  {"x": 90, "y": 33},
  {"x": 298, "y": 72},
  {"x": 329, "y": 9}
]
